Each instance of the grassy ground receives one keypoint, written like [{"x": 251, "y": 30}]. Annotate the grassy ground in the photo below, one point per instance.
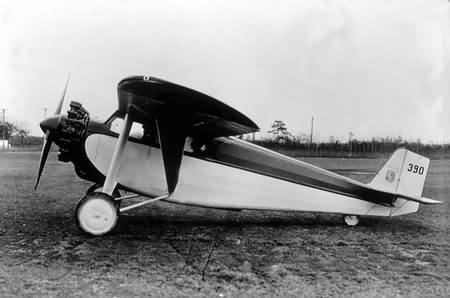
[{"x": 171, "y": 250}]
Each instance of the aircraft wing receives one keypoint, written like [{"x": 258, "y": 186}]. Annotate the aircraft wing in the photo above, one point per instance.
[
  {"x": 197, "y": 114},
  {"x": 178, "y": 112}
]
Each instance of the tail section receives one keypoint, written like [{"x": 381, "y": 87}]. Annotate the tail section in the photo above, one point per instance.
[
  {"x": 404, "y": 174},
  {"x": 388, "y": 177}
]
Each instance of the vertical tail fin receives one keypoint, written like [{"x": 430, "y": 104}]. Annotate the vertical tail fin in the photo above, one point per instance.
[{"x": 403, "y": 174}]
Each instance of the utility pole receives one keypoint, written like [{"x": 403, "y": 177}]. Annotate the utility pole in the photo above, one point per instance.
[
  {"x": 350, "y": 135},
  {"x": 4, "y": 128},
  {"x": 311, "y": 134},
  {"x": 45, "y": 113}
]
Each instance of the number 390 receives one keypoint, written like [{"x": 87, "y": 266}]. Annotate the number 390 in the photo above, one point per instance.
[{"x": 416, "y": 169}]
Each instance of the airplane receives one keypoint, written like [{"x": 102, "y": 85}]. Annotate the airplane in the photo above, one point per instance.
[{"x": 169, "y": 142}]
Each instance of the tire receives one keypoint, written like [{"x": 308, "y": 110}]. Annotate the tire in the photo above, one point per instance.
[
  {"x": 93, "y": 188},
  {"x": 97, "y": 214},
  {"x": 351, "y": 220},
  {"x": 98, "y": 188}
]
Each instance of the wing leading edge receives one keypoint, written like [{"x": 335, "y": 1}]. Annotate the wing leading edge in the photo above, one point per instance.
[{"x": 199, "y": 114}]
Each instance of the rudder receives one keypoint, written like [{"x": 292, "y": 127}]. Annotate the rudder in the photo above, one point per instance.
[{"x": 403, "y": 174}]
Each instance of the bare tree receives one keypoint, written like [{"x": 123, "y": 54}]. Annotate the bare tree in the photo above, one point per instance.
[{"x": 279, "y": 131}]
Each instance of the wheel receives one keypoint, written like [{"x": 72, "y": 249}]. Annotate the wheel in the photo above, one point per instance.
[
  {"x": 92, "y": 188},
  {"x": 98, "y": 188},
  {"x": 351, "y": 220},
  {"x": 97, "y": 214}
]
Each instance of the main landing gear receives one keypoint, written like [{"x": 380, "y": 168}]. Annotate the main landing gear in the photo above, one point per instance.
[
  {"x": 97, "y": 213},
  {"x": 351, "y": 220}
]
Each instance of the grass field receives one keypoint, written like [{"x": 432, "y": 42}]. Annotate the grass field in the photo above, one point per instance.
[{"x": 169, "y": 250}]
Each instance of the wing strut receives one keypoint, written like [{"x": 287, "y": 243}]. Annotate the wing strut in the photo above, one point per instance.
[{"x": 171, "y": 138}]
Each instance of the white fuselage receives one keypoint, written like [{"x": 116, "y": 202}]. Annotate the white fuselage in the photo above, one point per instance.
[{"x": 210, "y": 184}]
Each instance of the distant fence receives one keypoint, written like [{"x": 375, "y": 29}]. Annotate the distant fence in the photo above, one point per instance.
[
  {"x": 17, "y": 141},
  {"x": 358, "y": 149},
  {"x": 4, "y": 144},
  {"x": 24, "y": 143}
]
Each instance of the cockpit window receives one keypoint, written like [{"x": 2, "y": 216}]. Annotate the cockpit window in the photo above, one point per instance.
[
  {"x": 188, "y": 145},
  {"x": 147, "y": 133},
  {"x": 137, "y": 131}
]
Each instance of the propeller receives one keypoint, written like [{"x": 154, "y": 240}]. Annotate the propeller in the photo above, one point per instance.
[
  {"x": 49, "y": 125},
  {"x": 61, "y": 101}
]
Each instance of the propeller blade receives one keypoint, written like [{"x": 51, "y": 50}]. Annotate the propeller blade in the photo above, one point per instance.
[
  {"x": 45, "y": 149},
  {"x": 61, "y": 101}
]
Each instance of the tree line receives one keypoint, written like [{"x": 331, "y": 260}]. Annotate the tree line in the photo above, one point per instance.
[
  {"x": 17, "y": 135},
  {"x": 281, "y": 140}
]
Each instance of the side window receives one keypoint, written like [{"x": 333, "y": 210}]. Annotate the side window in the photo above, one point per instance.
[
  {"x": 188, "y": 145},
  {"x": 136, "y": 129}
]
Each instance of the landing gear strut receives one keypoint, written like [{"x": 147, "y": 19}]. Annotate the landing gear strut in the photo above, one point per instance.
[{"x": 351, "y": 220}]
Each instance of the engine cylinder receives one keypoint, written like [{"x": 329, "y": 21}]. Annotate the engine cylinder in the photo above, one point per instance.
[{"x": 72, "y": 130}]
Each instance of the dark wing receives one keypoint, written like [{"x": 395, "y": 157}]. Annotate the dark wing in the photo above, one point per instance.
[
  {"x": 198, "y": 114},
  {"x": 178, "y": 112}
]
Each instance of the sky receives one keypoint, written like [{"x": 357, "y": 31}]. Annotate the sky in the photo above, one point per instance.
[{"x": 373, "y": 68}]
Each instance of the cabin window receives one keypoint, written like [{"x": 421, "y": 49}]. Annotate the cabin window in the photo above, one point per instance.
[
  {"x": 137, "y": 131},
  {"x": 188, "y": 145},
  {"x": 146, "y": 133}
]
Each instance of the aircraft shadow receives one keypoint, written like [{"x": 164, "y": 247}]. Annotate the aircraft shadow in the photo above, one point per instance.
[{"x": 273, "y": 220}]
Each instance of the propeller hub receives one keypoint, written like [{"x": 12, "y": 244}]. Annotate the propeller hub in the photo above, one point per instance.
[{"x": 50, "y": 124}]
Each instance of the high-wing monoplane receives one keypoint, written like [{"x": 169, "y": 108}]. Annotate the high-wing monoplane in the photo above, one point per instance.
[{"x": 169, "y": 142}]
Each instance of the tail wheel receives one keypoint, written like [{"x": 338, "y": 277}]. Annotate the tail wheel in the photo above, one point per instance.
[
  {"x": 97, "y": 214},
  {"x": 351, "y": 220}
]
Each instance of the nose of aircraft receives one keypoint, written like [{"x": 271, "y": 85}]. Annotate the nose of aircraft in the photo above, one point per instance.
[{"x": 50, "y": 123}]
